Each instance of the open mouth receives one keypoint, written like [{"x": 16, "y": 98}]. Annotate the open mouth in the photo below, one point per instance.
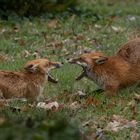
[
  {"x": 83, "y": 73},
  {"x": 52, "y": 79}
]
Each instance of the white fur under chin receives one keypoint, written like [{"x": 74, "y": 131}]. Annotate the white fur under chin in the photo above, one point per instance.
[{"x": 99, "y": 80}]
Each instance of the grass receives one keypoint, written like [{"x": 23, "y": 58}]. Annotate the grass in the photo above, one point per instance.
[{"x": 58, "y": 39}]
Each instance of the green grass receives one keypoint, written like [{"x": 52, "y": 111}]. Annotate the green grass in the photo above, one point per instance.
[{"x": 71, "y": 33}]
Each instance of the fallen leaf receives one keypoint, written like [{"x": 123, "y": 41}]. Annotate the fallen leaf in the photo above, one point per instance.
[
  {"x": 15, "y": 29},
  {"x": 2, "y": 120},
  {"x": 97, "y": 26},
  {"x": 134, "y": 135},
  {"x": 81, "y": 94},
  {"x": 52, "y": 23},
  {"x": 48, "y": 106},
  {"x": 132, "y": 106},
  {"x": 36, "y": 55},
  {"x": 116, "y": 29},
  {"x": 118, "y": 123},
  {"x": 74, "y": 105},
  {"x": 136, "y": 97},
  {"x": 131, "y": 18},
  {"x": 25, "y": 54},
  {"x": 4, "y": 57},
  {"x": 91, "y": 101},
  {"x": 87, "y": 123}
]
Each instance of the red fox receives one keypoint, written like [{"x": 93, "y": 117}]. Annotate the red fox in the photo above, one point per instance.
[
  {"x": 28, "y": 83},
  {"x": 115, "y": 72}
]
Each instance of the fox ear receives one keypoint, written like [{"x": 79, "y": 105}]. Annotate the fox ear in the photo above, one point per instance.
[
  {"x": 101, "y": 60},
  {"x": 31, "y": 68}
]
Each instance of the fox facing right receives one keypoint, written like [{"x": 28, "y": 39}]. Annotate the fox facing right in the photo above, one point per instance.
[{"x": 115, "y": 72}]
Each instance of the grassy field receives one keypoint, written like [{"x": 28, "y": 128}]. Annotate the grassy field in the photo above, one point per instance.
[{"x": 98, "y": 25}]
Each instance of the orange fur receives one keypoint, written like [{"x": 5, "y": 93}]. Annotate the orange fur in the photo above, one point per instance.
[
  {"x": 28, "y": 83},
  {"x": 115, "y": 72}
]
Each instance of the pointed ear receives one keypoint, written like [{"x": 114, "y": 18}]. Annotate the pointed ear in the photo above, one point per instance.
[
  {"x": 101, "y": 60},
  {"x": 31, "y": 68}
]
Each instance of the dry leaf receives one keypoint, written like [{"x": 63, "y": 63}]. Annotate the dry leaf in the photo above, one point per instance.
[
  {"x": 15, "y": 29},
  {"x": 91, "y": 101},
  {"x": 75, "y": 105},
  {"x": 118, "y": 123},
  {"x": 132, "y": 106},
  {"x": 25, "y": 54},
  {"x": 116, "y": 29},
  {"x": 97, "y": 26},
  {"x": 81, "y": 94},
  {"x": 87, "y": 123},
  {"x": 36, "y": 55},
  {"x": 52, "y": 23},
  {"x": 134, "y": 135},
  {"x": 5, "y": 57},
  {"x": 136, "y": 97},
  {"x": 48, "y": 106},
  {"x": 2, "y": 120},
  {"x": 131, "y": 18}
]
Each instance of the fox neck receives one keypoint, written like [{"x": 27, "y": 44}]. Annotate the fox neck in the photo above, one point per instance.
[
  {"x": 37, "y": 78},
  {"x": 98, "y": 78}
]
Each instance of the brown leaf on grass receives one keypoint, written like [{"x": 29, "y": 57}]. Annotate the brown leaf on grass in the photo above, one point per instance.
[
  {"x": 137, "y": 97},
  {"x": 110, "y": 104},
  {"x": 36, "y": 55},
  {"x": 52, "y": 24},
  {"x": 52, "y": 106},
  {"x": 75, "y": 105},
  {"x": 2, "y": 120},
  {"x": 118, "y": 123},
  {"x": 132, "y": 106},
  {"x": 80, "y": 94},
  {"x": 79, "y": 37},
  {"x": 25, "y": 108},
  {"x": 131, "y": 18},
  {"x": 25, "y": 53},
  {"x": 20, "y": 41},
  {"x": 91, "y": 101},
  {"x": 15, "y": 29},
  {"x": 97, "y": 26},
  {"x": 2, "y": 31},
  {"x": 3, "y": 57},
  {"x": 87, "y": 123},
  {"x": 134, "y": 135},
  {"x": 117, "y": 29}
]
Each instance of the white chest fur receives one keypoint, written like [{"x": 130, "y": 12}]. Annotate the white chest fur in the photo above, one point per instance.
[{"x": 40, "y": 92}]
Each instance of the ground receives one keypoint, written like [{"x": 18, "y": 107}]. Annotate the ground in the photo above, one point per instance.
[{"x": 96, "y": 25}]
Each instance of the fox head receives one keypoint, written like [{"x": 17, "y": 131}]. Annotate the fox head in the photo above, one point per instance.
[
  {"x": 42, "y": 66},
  {"x": 88, "y": 61}
]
